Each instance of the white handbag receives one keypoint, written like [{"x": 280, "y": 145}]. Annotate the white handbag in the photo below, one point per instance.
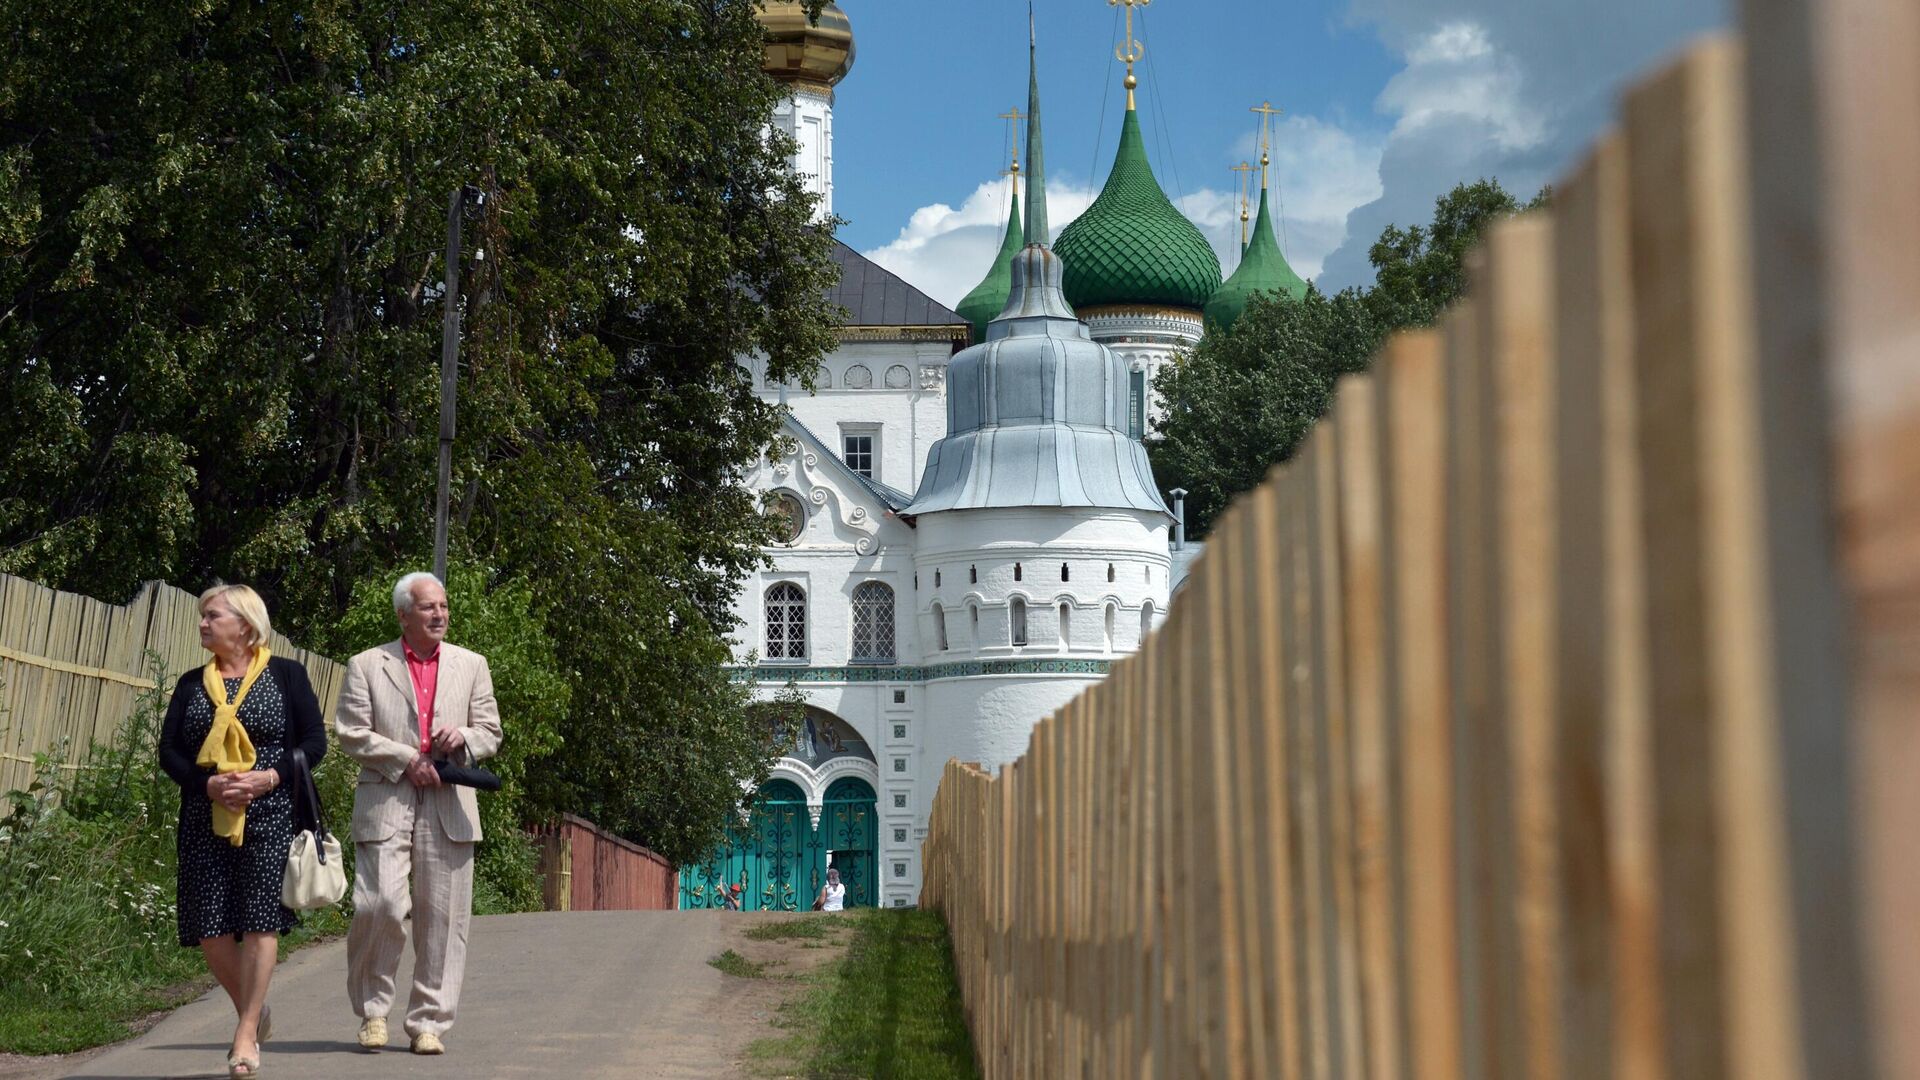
[{"x": 315, "y": 876}]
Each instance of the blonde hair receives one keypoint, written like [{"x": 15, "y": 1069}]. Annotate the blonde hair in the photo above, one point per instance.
[{"x": 245, "y": 603}]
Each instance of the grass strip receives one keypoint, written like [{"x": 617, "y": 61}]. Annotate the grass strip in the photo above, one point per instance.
[
  {"x": 810, "y": 928},
  {"x": 732, "y": 963},
  {"x": 887, "y": 1008}
]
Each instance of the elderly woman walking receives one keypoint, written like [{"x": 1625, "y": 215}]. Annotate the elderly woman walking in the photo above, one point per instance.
[{"x": 226, "y": 738}]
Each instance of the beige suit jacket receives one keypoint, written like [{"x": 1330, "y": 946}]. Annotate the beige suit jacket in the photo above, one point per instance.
[{"x": 378, "y": 725}]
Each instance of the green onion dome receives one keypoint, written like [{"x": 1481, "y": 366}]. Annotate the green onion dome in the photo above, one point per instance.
[
  {"x": 988, "y": 297},
  {"x": 1131, "y": 246},
  {"x": 1263, "y": 269}
]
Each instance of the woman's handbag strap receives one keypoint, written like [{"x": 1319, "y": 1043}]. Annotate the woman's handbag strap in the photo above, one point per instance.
[{"x": 307, "y": 812}]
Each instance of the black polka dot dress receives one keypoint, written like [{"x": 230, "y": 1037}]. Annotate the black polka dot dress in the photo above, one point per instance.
[{"x": 222, "y": 889}]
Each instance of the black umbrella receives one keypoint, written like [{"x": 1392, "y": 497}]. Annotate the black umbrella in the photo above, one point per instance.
[{"x": 472, "y": 776}]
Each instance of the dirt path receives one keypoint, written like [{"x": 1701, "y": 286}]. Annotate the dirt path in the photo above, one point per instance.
[{"x": 580, "y": 994}]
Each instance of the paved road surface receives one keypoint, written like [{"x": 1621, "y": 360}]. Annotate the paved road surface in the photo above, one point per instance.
[{"x": 578, "y": 994}]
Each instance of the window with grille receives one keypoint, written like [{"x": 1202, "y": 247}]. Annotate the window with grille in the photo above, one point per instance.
[
  {"x": 786, "y": 622},
  {"x": 857, "y": 452},
  {"x": 1017, "y": 616},
  {"x": 873, "y": 623}
]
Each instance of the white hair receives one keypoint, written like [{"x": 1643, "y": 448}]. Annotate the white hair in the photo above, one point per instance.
[{"x": 403, "y": 590}]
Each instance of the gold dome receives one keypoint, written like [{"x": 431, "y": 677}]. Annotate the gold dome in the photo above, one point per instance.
[{"x": 809, "y": 54}]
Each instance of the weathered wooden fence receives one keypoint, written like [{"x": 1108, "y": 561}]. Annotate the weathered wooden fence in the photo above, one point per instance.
[
  {"x": 1553, "y": 712},
  {"x": 585, "y": 869},
  {"x": 72, "y": 667}
]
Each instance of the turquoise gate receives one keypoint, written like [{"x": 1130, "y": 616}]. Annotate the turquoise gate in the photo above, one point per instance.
[{"x": 779, "y": 859}]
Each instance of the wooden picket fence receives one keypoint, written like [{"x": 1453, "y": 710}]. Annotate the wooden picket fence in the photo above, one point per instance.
[
  {"x": 1554, "y": 712},
  {"x": 72, "y": 667}
]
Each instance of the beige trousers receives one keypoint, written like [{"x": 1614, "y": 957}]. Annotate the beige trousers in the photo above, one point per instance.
[{"x": 442, "y": 906}]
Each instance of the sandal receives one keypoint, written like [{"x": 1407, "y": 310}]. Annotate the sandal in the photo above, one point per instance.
[
  {"x": 265, "y": 1030},
  {"x": 242, "y": 1067}
]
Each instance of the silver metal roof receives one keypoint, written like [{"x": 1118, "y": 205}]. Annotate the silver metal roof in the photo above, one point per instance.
[{"x": 1037, "y": 414}]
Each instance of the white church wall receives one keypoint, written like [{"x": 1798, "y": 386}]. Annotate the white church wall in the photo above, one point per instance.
[
  {"x": 967, "y": 560},
  {"x": 907, "y": 420}
]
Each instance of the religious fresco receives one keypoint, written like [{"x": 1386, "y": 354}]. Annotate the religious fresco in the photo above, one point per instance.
[{"x": 824, "y": 737}]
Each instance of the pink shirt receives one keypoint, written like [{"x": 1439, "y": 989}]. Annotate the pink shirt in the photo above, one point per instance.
[{"x": 426, "y": 679}]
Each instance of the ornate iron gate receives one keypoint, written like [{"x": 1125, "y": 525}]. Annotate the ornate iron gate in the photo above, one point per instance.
[
  {"x": 779, "y": 859},
  {"x": 850, "y": 831}
]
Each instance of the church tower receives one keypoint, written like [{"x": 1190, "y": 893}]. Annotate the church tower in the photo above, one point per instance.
[
  {"x": 1041, "y": 541},
  {"x": 1263, "y": 268},
  {"x": 809, "y": 58},
  {"x": 1138, "y": 271}
]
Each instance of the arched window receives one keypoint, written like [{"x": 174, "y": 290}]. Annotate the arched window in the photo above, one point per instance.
[
  {"x": 936, "y": 577},
  {"x": 1146, "y": 620},
  {"x": 1109, "y": 571},
  {"x": 1066, "y": 629},
  {"x": 786, "y": 622},
  {"x": 940, "y": 627},
  {"x": 1109, "y": 627},
  {"x": 1017, "y": 620},
  {"x": 898, "y": 377},
  {"x": 1063, "y": 571},
  {"x": 973, "y": 613},
  {"x": 973, "y": 575},
  {"x": 859, "y": 377},
  {"x": 873, "y": 623},
  {"x": 1016, "y": 571}
]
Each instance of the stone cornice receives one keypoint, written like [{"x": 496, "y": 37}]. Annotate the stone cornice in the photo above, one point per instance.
[
  {"x": 956, "y": 332},
  {"x": 774, "y": 673}
]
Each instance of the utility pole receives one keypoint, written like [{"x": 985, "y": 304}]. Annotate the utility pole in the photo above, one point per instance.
[{"x": 449, "y": 378}]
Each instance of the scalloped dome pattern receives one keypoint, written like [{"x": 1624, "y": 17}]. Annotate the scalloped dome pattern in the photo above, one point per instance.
[{"x": 1132, "y": 246}]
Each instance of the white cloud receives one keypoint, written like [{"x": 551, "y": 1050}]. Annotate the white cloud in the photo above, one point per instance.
[
  {"x": 1506, "y": 89},
  {"x": 945, "y": 252}
]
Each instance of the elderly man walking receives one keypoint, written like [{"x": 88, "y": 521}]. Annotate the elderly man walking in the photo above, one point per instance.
[{"x": 405, "y": 704}]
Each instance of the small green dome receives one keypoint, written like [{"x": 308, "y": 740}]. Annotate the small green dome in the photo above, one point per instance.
[
  {"x": 1263, "y": 269},
  {"x": 1131, "y": 246},
  {"x": 990, "y": 296}
]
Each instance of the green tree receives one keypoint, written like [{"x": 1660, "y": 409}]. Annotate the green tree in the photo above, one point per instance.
[
  {"x": 1419, "y": 270},
  {"x": 221, "y": 291},
  {"x": 1243, "y": 398}
]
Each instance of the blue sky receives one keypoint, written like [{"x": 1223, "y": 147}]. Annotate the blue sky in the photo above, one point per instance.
[{"x": 1388, "y": 104}]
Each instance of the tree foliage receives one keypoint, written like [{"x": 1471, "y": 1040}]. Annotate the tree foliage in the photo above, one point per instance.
[
  {"x": 222, "y": 229},
  {"x": 1244, "y": 397}
]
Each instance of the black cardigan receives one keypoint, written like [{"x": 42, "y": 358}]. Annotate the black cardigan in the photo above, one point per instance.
[{"x": 305, "y": 730}]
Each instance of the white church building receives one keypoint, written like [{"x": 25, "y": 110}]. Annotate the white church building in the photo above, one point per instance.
[{"x": 973, "y": 534}]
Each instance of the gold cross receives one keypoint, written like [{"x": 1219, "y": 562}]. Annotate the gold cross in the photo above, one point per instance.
[
  {"x": 1131, "y": 52},
  {"x": 1013, "y": 117},
  {"x": 1267, "y": 112},
  {"x": 1240, "y": 192}
]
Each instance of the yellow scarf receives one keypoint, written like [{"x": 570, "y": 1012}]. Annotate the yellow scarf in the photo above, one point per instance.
[{"x": 227, "y": 748}]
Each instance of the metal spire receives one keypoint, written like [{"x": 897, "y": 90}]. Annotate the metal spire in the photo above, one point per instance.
[{"x": 1037, "y": 231}]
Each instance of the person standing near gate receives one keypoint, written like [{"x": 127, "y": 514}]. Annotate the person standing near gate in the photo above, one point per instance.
[
  {"x": 405, "y": 704},
  {"x": 833, "y": 895}
]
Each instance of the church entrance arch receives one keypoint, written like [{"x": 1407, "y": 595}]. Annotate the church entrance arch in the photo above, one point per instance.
[{"x": 817, "y": 810}]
